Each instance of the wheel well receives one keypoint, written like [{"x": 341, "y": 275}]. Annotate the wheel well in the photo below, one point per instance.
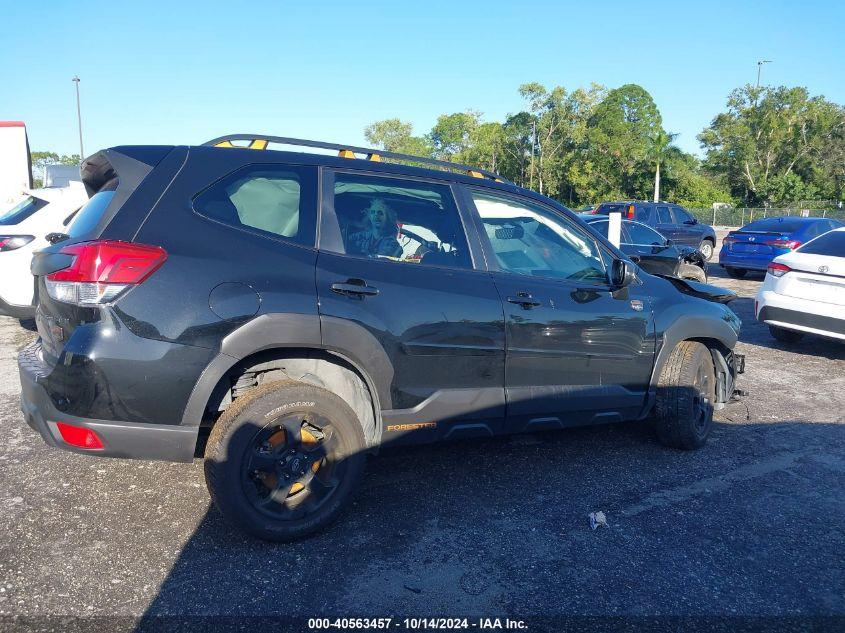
[
  {"x": 721, "y": 354},
  {"x": 315, "y": 367}
]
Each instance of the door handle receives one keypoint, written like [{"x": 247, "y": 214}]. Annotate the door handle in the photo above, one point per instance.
[
  {"x": 525, "y": 300},
  {"x": 354, "y": 288}
]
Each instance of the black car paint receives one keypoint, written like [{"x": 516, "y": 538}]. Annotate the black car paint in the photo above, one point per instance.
[{"x": 436, "y": 344}]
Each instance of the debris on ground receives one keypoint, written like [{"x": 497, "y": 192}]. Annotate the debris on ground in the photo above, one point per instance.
[{"x": 597, "y": 519}]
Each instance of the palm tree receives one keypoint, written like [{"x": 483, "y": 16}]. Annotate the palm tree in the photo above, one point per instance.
[{"x": 661, "y": 145}]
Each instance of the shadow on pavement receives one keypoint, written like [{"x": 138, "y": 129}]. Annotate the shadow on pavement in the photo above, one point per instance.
[{"x": 499, "y": 527}]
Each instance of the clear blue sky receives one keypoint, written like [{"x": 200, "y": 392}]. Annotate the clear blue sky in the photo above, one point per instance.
[{"x": 184, "y": 72}]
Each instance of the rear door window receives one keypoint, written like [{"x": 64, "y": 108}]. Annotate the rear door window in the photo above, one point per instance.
[
  {"x": 273, "y": 201},
  {"x": 664, "y": 215},
  {"x": 400, "y": 220}
]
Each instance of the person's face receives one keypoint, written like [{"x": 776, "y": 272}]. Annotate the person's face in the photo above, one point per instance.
[{"x": 379, "y": 217}]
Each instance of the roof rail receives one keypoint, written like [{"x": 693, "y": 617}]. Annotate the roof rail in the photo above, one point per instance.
[{"x": 260, "y": 141}]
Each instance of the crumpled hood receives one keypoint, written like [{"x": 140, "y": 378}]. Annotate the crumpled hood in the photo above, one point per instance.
[{"x": 708, "y": 292}]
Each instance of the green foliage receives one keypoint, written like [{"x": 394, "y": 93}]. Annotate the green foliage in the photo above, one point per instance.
[
  {"x": 397, "y": 136},
  {"x": 773, "y": 144},
  {"x": 42, "y": 159},
  {"x": 593, "y": 144}
]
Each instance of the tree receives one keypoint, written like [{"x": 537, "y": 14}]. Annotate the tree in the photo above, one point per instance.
[
  {"x": 619, "y": 139},
  {"x": 660, "y": 146},
  {"x": 397, "y": 136},
  {"x": 770, "y": 139},
  {"x": 41, "y": 159},
  {"x": 452, "y": 135}
]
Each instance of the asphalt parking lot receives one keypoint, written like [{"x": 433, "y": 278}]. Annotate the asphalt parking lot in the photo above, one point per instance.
[{"x": 753, "y": 524}]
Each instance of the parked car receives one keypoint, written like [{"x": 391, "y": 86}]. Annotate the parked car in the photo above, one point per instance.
[
  {"x": 195, "y": 308},
  {"x": 23, "y": 230},
  {"x": 652, "y": 252},
  {"x": 756, "y": 244},
  {"x": 671, "y": 220},
  {"x": 804, "y": 290}
]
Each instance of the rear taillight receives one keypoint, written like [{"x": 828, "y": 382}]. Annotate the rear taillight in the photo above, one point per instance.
[
  {"x": 79, "y": 436},
  {"x": 778, "y": 270},
  {"x": 729, "y": 239},
  {"x": 630, "y": 213},
  {"x": 789, "y": 244},
  {"x": 12, "y": 242},
  {"x": 102, "y": 271}
]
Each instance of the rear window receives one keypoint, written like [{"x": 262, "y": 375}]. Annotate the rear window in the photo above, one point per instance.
[
  {"x": 89, "y": 216},
  {"x": 640, "y": 212},
  {"x": 22, "y": 210},
  {"x": 605, "y": 209},
  {"x": 832, "y": 243},
  {"x": 273, "y": 201},
  {"x": 775, "y": 225}
]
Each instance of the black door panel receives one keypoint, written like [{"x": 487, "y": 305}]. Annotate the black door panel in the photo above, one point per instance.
[
  {"x": 576, "y": 350},
  {"x": 441, "y": 326}
]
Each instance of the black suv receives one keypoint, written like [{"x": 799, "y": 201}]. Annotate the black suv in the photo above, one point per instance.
[
  {"x": 671, "y": 220},
  {"x": 284, "y": 313}
]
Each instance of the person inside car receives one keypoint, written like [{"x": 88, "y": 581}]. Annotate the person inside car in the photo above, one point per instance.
[{"x": 378, "y": 237}]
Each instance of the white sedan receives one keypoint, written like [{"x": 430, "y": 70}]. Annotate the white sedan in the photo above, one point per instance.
[
  {"x": 804, "y": 291},
  {"x": 23, "y": 230}
]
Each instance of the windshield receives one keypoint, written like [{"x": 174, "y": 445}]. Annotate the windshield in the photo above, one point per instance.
[{"x": 22, "y": 210}]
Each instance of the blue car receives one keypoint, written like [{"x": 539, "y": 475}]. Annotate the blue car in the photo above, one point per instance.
[{"x": 756, "y": 244}]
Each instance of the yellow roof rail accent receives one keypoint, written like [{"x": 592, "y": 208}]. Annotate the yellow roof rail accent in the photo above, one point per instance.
[
  {"x": 258, "y": 143},
  {"x": 261, "y": 141}
]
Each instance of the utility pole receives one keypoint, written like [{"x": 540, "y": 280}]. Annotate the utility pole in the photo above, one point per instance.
[
  {"x": 760, "y": 67},
  {"x": 79, "y": 118}
]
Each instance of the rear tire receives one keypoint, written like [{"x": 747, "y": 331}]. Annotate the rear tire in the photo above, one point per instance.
[
  {"x": 686, "y": 392},
  {"x": 736, "y": 273},
  {"x": 284, "y": 460},
  {"x": 706, "y": 248},
  {"x": 693, "y": 272},
  {"x": 785, "y": 336}
]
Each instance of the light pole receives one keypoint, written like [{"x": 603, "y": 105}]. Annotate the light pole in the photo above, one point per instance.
[
  {"x": 760, "y": 67},
  {"x": 79, "y": 119}
]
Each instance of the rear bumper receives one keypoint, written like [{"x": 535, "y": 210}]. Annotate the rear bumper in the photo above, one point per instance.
[
  {"x": 747, "y": 262},
  {"x": 16, "y": 311},
  {"x": 820, "y": 324},
  {"x": 120, "y": 439}
]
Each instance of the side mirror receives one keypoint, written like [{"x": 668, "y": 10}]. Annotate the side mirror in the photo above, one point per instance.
[
  {"x": 667, "y": 243},
  {"x": 623, "y": 273},
  {"x": 692, "y": 221}
]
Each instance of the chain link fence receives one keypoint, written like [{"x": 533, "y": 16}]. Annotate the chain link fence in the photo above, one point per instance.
[{"x": 742, "y": 216}]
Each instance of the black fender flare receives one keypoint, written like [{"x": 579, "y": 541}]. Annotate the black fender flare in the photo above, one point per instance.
[
  {"x": 293, "y": 331},
  {"x": 691, "y": 327}
]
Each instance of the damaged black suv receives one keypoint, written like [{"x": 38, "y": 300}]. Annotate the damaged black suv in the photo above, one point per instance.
[{"x": 284, "y": 313}]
